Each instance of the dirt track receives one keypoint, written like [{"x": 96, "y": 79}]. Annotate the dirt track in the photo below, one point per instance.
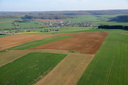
[
  {"x": 13, "y": 40},
  {"x": 87, "y": 43}
]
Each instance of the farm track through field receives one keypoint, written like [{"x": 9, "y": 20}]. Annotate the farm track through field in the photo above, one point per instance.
[{"x": 87, "y": 43}]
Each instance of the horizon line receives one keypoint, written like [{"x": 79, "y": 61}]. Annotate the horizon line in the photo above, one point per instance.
[{"x": 67, "y": 10}]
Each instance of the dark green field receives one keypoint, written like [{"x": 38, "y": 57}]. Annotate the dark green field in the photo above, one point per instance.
[
  {"x": 109, "y": 66},
  {"x": 29, "y": 68}
]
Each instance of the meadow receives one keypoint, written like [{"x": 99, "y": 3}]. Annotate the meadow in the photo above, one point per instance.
[
  {"x": 109, "y": 66},
  {"x": 29, "y": 68}
]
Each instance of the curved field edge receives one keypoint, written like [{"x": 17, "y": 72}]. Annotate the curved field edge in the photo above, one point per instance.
[
  {"x": 109, "y": 66},
  {"x": 37, "y": 43},
  {"x": 29, "y": 68}
]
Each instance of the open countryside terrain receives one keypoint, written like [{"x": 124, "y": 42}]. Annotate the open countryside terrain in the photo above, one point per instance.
[
  {"x": 64, "y": 48},
  {"x": 13, "y": 40},
  {"x": 109, "y": 66},
  {"x": 87, "y": 43},
  {"x": 35, "y": 66},
  {"x": 74, "y": 69},
  {"x": 77, "y": 60},
  {"x": 72, "y": 66}
]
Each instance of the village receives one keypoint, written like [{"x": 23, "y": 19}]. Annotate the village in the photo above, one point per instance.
[{"x": 47, "y": 26}]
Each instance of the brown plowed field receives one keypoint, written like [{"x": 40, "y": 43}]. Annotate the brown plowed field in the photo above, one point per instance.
[
  {"x": 13, "y": 40},
  {"x": 46, "y": 20},
  {"x": 87, "y": 43}
]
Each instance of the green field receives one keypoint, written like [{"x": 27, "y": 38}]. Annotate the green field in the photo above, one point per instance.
[
  {"x": 29, "y": 68},
  {"x": 33, "y": 25},
  {"x": 2, "y": 36},
  {"x": 7, "y": 23},
  {"x": 29, "y": 24},
  {"x": 79, "y": 29},
  {"x": 96, "y": 20},
  {"x": 109, "y": 66},
  {"x": 7, "y": 19},
  {"x": 82, "y": 18},
  {"x": 37, "y": 43}
]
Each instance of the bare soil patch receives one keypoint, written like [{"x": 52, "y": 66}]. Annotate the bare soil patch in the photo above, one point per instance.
[
  {"x": 13, "y": 40},
  {"x": 68, "y": 71},
  {"x": 87, "y": 43},
  {"x": 46, "y": 20}
]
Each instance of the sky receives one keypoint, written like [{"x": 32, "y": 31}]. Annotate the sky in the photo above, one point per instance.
[{"x": 61, "y": 5}]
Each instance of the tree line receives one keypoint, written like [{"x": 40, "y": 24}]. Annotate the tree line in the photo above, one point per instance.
[
  {"x": 47, "y": 16},
  {"x": 121, "y": 18},
  {"x": 113, "y": 27}
]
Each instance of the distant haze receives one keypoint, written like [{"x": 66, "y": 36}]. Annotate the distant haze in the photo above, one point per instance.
[{"x": 61, "y": 5}]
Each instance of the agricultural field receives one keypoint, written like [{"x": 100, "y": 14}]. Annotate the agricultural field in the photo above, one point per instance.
[
  {"x": 33, "y": 53},
  {"x": 96, "y": 19},
  {"x": 109, "y": 66},
  {"x": 34, "y": 25},
  {"x": 7, "y": 23},
  {"x": 79, "y": 62},
  {"x": 2, "y": 36},
  {"x": 68, "y": 71},
  {"x": 37, "y": 43},
  {"x": 29, "y": 68},
  {"x": 87, "y": 43},
  {"x": 13, "y": 40},
  {"x": 7, "y": 20}
]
